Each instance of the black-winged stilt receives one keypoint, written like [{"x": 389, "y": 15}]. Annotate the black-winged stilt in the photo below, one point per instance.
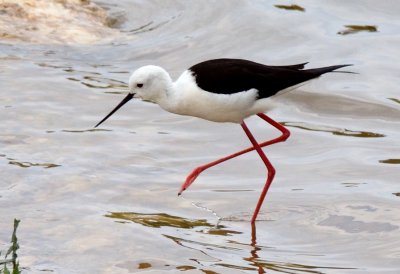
[{"x": 222, "y": 90}]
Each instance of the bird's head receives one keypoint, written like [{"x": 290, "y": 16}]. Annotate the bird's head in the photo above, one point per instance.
[{"x": 150, "y": 83}]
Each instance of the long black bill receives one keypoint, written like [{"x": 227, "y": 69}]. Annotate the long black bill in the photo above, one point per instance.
[{"x": 123, "y": 102}]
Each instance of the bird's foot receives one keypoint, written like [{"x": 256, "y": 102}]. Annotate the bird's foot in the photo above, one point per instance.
[{"x": 190, "y": 179}]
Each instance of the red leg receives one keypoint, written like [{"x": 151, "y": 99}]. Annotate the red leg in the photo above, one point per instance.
[
  {"x": 196, "y": 172},
  {"x": 270, "y": 168}
]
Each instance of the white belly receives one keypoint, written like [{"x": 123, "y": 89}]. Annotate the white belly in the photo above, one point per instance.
[{"x": 217, "y": 107}]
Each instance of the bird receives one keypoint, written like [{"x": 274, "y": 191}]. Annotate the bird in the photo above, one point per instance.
[{"x": 223, "y": 90}]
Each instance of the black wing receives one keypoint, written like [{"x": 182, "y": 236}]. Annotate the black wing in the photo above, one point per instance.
[{"x": 227, "y": 76}]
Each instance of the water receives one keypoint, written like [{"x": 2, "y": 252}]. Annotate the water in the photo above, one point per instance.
[{"x": 104, "y": 200}]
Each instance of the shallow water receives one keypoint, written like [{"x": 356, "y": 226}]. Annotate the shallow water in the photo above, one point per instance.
[{"x": 104, "y": 200}]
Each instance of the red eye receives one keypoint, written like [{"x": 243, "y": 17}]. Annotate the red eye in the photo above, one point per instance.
[{"x": 139, "y": 85}]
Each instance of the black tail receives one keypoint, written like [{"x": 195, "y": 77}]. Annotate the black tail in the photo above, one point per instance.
[{"x": 319, "y": 71}]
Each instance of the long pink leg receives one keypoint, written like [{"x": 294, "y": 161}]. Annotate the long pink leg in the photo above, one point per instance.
[
  {"x": 196, "y": 172},
  {"x": 270, "y": 168}
]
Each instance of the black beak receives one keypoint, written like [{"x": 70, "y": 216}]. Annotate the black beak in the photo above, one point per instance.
[{"x": 123, "y": 102}]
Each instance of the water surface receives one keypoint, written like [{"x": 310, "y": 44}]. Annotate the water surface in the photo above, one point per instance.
[{"x": 105, "y": 200}]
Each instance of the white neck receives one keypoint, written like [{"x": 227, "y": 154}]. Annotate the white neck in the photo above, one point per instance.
[{"x": 175, "y": 94}]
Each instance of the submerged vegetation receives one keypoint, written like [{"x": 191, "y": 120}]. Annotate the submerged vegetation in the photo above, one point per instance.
[
  {"x": 11, "y": 255},
  {"x": 290, "y": 7},
  {"x": 351, "y": 29}
]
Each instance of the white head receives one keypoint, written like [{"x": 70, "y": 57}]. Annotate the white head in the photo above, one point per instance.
[{"x": 150, "y": 83}]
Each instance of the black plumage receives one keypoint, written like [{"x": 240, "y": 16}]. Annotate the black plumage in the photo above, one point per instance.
[{"x": 228, "y": 76}]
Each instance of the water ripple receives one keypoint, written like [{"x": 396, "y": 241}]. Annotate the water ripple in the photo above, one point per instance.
[{"x": 334, "y": 131}]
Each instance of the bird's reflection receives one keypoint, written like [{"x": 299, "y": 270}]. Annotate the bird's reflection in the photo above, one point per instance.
[
  {"x": 253, "y": 259},
  {"x": 172, "y": 227}
]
